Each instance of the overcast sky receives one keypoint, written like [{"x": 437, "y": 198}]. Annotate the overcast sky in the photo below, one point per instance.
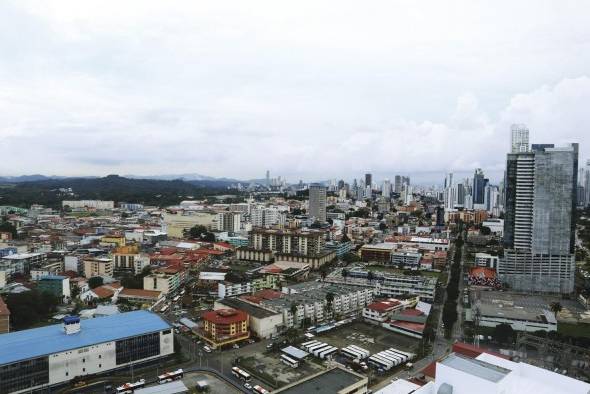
[{"x": 307, "y": 89}]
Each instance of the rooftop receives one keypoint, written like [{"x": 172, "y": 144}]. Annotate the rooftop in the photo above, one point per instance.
[
  {"x": 252, "y": 310},
  {"x": 331, "y": 381},
  {"x": 20, "y": 345},
  {"x": 225, "y": 316},
  {"x": 481, "y": 369}
]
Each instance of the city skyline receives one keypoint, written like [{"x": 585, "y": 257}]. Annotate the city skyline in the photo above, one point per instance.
[{"x": 233, "y": 90}]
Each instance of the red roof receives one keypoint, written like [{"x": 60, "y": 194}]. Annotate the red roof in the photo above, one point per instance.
[
  {"x": 383, "y": 306},
  {"x": 474, "y": 351},
  {"x": 225, "y": 316},
  {"x": 417, "y": 327},
  {"x": 139, "y": 293},
  {"x": 411, "y": 312},
  {"x": 430, "y": 370}
]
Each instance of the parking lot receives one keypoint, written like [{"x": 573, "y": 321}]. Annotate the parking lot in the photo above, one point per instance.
[
  {"x": 215, "y": 385},
  {"x": 367, "y": 336},
  {"x": 268, "y": 366}
]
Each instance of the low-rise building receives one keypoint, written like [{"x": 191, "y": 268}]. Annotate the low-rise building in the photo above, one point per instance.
[
  {"x": 166, "y": 280},
  {"x": 263, "y": 323},
  {"x": 223, "y": 327},
  {"x": 98, "y": 266},
  {"x": 140, "y": 296},
  {"x": 486, "y": 260},
  {"x": 22, "y": 263}
]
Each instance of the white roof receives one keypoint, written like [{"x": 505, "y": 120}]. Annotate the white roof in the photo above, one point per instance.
[
  {"x": 399, "y": 386},
  {"x": 212, "y": 276},
  {"x": 168, "y": 388},
  {"x": 294, "y": 352}
]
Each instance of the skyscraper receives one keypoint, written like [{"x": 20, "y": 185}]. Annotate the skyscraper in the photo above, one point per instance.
[
  {"x": 587, "y": 183},
  {"x": 479, "y": 186},
  {"x": 397, "y": 184},
  {"x": 386, "y": 188},
  {"x": 317, "y": 202},
  {"x": 267, "y": 178},
  {"x": 519, "y": 138},
  {"x": 369, "y": 180},
  {"x": 539, "y": 227}
]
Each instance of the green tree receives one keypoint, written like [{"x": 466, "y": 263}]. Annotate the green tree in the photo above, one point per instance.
[
  {"x": 293, "y": 310},
  {"x": 484, "y": 230},
  {"x": 197, "y": 231},
  {"x": 370, "y": 276},
  {"x": 344, "y": 273},
  {"x": 555, "y": 308},
  {"x": 503, "y": 333},
  {"x": 329, "y": 299},
  {"x": 9, "y": 228},
  {"x": 30, "y": 308},
  {"x": 95, "y": 281}
]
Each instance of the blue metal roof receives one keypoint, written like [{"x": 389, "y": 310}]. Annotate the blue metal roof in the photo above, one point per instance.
[{"x": 21, "y": 345}]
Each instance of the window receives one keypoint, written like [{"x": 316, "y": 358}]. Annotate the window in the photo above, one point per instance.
[
  {"x": 83, "y": 369},
  {"x": 22, "y": 374},
  {"x": 100, "y": 356},
  {"x": 137, "y": 348}
]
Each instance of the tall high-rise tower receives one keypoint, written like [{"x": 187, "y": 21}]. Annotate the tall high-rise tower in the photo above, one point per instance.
[
  {"x": 479, "y": 186},
  {"x": 519, "y": 138},
  {"x": 369, "y": 180},
  {"x": 541, "y": 189},
  {"x": 317, "y": 202}
]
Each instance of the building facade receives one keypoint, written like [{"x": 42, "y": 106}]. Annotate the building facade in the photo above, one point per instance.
[{"x": 317, "y": 202}]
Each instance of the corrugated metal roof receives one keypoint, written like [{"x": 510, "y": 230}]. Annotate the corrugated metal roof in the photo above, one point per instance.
[{"x": 20, "y": 345}]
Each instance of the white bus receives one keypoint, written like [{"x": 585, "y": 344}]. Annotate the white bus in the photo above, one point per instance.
[
  {"x": 289, "y": 361},
  {"x": 379, "y": 363},
  {"x": 360, "y": 350},
  {"x": 394, "y": 359},
  {"x": 317, "y": 351},
  {"x": 260, "y": 390},
  {"x": 353, "y": 354},
  {"x": 241, "y": 374},
  {"x": 403, "y": 357},
  {"x": 410, "y": 356},
  {"x": 175, "y": 299},
  {"x": 170, "y": 376},
  {"x": 164, "y": 309},
  {"x": 306, "y": 344},
  {"x": 314, "y": 347},
  {"x": 128, "y": 388},
  {"x": 327, "y": 352}
]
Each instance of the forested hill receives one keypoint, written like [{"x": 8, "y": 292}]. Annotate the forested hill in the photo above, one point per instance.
[{"x": 112, "y": 187}]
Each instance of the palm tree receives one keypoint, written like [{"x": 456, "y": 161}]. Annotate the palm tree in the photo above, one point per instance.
[
  {"x": 555, "y": 308},
  {"x": 344, "y": 273},
  {"x": 329, "y": 299},
  {"x": 370, "y": 276},
  {"x": 323, "y": 274}
]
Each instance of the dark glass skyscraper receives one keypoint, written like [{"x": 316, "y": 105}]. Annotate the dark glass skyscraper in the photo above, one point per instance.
[{"x": 539, "y": 227}]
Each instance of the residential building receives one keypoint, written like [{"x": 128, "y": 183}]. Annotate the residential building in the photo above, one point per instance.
[
  {"x": 229, "y": 221},
  {"x": 539, "y": 225},
  {"x": 140, "y": 296},
  {"x": 59, "y": 353},
  {"x": 223, "y": 327},
  {"x": 22, "y": 263},
  {"x": 268, "y": 217},
  {"x": 379, "y": 312},
  {"x": 166, "y": 280},
  {"x": 403, "y": 258},
  {"x": 486, "y": 260},
  {"x": 317, "y": 202},
  {"x": 98, "y": 266},
  {"x": 263, "y": 323},
  {"x": 127, "y": 260},
  {"x": 178, "y": 223},
  {"x": 380, "y": 252}
]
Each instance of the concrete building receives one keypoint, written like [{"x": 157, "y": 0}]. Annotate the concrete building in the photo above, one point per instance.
[
  {"x": 264, "y": 323},
  {"x": 337, "y": 380},
  {"x": 22, "y": 263},
  {"x": 539, "y": 225},
  {"x": 127, "y": 260},
  {"x": 519, "y": 141},
  {"x": 317, "y": 202},
  {"x": 178, "y": 223},
  {"x": 93, "y": 204},
  {"x": 166, "y": 280},
  {"x": 267, "y": 217},
  {"x": 98, "y": 266},
  {"x": 486, "y": 260},
  {"x": 223, "y": 327},
  {"x": 4, "y": 317},
  {"x": 229, "y": 221},
  {"x": 58, "y": 353},
  {"x": 310, "y": 299},
  {"x": 230, "y": 289}
]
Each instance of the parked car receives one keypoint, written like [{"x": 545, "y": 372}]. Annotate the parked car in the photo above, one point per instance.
[
  {"x": 248, "y": 386},
  {"x": 207, "y": 349},
  {"x": 236, "y": 346}
]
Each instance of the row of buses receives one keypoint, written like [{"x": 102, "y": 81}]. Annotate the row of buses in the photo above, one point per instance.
[
  {"x": 319, "y": 349},
  {"x": 167, "y": 377},
  {"x": 389, "y": 358},
  {"x": 245, "y": 376}
]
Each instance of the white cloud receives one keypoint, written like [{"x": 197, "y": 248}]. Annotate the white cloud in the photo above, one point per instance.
[{"x": 306, "y": 89}]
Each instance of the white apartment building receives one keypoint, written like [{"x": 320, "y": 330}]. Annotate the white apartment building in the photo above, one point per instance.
[
  {"x": 267, "y": 217},
  {"x": 95, "y": 204},
  {"x": 486, "y": 260},
  {"x": 98, "y": 266}
]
